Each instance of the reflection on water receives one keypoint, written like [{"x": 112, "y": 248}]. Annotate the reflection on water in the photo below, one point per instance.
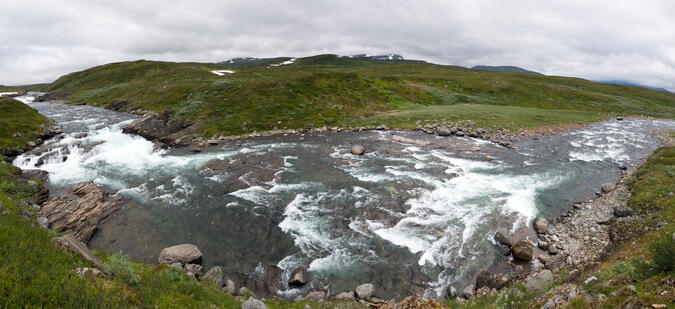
[{"x": 407, "y": 218}]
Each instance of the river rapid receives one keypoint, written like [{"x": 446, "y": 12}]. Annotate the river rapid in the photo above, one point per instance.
[{"x": 410, "y": 219}]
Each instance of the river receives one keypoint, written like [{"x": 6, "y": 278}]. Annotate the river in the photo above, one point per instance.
[{"x": 407, "y": 218}]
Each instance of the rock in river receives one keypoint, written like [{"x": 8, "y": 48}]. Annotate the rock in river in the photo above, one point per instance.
[
  {"x": 541, "y": 225},
  {"x": 184, "y": 253},
  {"x": 357, "y": 150},
  {"x": 523, "y": 250},
  {"x": 365, "y": 291},
  {"x": 298, "y": 277},
  {"x": 80, "y": 211}
]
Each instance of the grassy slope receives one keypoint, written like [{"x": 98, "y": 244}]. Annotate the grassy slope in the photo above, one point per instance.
[
  {"x": 18, "y": 118},
  {"x": 328, "y": 90}
]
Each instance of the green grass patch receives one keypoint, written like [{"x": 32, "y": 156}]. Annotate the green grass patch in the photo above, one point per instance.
[{"x": 19, "y": 124}]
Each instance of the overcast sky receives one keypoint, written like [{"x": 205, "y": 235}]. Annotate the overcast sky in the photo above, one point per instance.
[{"x": 597, "y": 40}]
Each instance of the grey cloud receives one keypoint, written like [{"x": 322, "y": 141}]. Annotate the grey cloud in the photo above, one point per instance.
[{"x": 620, "y": 40}]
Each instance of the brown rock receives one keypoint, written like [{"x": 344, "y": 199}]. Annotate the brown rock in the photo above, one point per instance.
[
  {"x": 80, "y": 212},
  {"x": 70, "y": 243},
  {"x": 523, "y": 250}
]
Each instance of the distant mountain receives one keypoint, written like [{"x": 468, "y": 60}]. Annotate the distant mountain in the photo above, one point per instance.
[
  {"x": 379, "y": 57},
  {"x": 504, "y": 69},
  {"x": 623, "y": 82},
  {"x": 247, "y": 61}
]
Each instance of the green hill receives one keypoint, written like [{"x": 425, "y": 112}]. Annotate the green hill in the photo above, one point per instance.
[
  {"x": 342, "y": 91},
  {"x": 19, "y": 124}
]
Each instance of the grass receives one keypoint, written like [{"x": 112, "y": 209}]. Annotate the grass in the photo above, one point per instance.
[
  {"x": 327, "y": 90},
  {"x": 19, "y": 124}
]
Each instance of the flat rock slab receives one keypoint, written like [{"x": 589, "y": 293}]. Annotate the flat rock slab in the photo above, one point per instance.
[
  {"x": 70, "y": 243},
  {"x": 80, "y": 212}
]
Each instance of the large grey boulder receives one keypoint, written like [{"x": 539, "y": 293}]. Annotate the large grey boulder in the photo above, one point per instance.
[
  {"x": 42, "y": 222},
  {"x": 214, "y": 274},
  {"x": 541, "y": 225},
  {"x": 539, "y": 281},
  {"x": 523, "y": 250},
  {"x": 298, "y": 277},
  {"x": 184, "y": 253},
  {"x": 365, "y": 291},
  {"x": 230, "y": 287},
  {"x": 253, "y": 303}
]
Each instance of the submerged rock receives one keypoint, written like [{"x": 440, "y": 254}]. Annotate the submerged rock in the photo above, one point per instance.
[
  {"x": 357, "y": 150},
  {"x": 184, "y": 253}
]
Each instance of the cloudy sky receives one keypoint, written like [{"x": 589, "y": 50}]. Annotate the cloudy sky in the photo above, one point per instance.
[{"x": 598, "y": 40}]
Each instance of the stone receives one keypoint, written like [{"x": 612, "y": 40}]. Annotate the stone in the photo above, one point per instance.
[
  {"x": 482, "y": 292},
  {"x": 253, "y": 303},
  {"x": 590, "y": 279},
  {"x": 214, "y": 274},
  {"x": 345, "y": 295},
  {"x": 193, "y": 269},
  {"x": 571, "y": 294},
  {"x": 489, "y": 158},
  {"x": 542, "y": 244},
  {"x": 184, "y": 253},
  {"x": 176, "y": 266},
  {"x": 84, "y": 272},
  {"x": 606, "y": 187},
  {"x": 444, "y": 131},
  {"x": 452, "y": 292},
  {"x": 550, "y": 304},
  {"x": 541, "y": 225},
  {"x": 42, "y": 222},
  {"x": 539, "y": 281},
  {"x": 554, "y": 262},
  {"x": 622, "y": 211},
  {"x": 298, "y": 277},
  {"x": 357, "y": 150},
  {"x": 81, "y": 210},
  {"x": 503, "y": 238},
  {"x": 316, "y": 295},
  {"x": 365, "y": 291},
  {"x": 492, "y": 280},
  {"x": 69, "y": 242},
  {"x": 156, "y": 126},
  {"x": 523, "y": 250},
  {"x": 31, "y": 144},
  {"x": 553, "y": 250},
  {"x": 468, "y": 291},
  {"x": 230, "y": 287}
]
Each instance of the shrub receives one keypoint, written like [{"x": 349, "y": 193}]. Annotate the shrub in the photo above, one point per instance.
[
  {"x": 663, "y": 253},
  {"x": 119, "y": 267}
]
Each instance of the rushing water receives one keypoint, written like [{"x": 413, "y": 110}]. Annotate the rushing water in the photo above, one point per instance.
[{"x": 409, "y": 219}]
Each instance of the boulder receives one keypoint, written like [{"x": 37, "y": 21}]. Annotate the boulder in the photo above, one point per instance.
[
  {"x": 155, "y": 126},
  {"x": 214, "y": 274},
  {"x": 452, "y": 292},
  {"x": 541, "y": 225},
  {"x": 622, "y": 211},
  {"x": 184, "y": 253},
  {"x": 468, "y": 291},
  {"x": 482, "y": 292},
  {"x": 85, "y": 272},
  {"x": 230, "y": 287},
  {"x": 253, "y": 303},
  {"x": 365, "y": 291},
  {"x": 542, "y": 244},
  {"x": 503, "y": 238},
  {"x": 81, "y": 211},
  {"x": 444, "y": 131},
  {"x": 523, "y": 250},
  {"x": 316, "y": 295},
  {"x": 357, "y": 150},
  {"x": 606, "y": 187},
  {"x": 539, "y": 281},
  {"x": 491, "y": 280},
  {"x": 298, "y": 277},
  {"x": 193, "y": 270}
]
